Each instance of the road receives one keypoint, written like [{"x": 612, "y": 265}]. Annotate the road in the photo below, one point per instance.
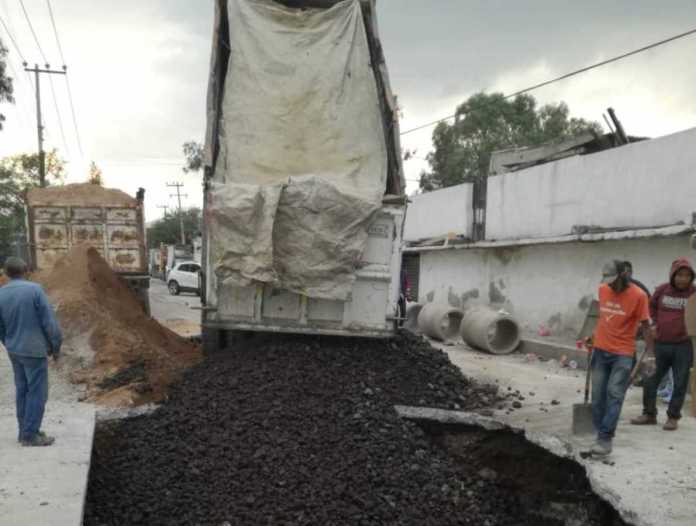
[{"x": 175, "y": 312}]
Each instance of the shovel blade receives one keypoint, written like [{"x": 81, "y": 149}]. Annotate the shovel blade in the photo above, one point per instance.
[{"x": 582, "y": 419}]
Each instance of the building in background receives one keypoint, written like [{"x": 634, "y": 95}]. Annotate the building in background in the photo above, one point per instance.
[{"x": 550, "y": 227}]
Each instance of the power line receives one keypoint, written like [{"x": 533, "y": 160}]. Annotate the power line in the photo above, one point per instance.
[
  {"x": 39, "y": 124},
  {"x": 568, "y": 75},
  {"x": 14, "y": 42},
  {"x": 67, "y": 78},
  {"x": 60, "y": 119},
  {"x": 31, "y": 27},
  {"x": 178, "y": 187},
  {"x": 74, "y": 119},
  {"x": 53, "y": 90},
  {"x": 55, "y": 30}
]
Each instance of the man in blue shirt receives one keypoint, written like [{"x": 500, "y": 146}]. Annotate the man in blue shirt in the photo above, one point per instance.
[{"x": 30, "y": 333}]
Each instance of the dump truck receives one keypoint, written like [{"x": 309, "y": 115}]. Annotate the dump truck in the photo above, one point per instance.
[
  {"x": 303, "y": 182},
  {"x": 59, "y": 217}
]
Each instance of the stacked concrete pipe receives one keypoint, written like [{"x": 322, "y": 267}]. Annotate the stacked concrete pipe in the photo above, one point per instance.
[
  {"x": 412, "y": 312},
  {"x": 490, "y": 330},
  {"x": 440, "y": 321}
]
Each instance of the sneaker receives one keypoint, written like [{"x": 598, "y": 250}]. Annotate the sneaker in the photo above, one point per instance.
[
  {"x": 671, "y": 425},
  {"x": 644, "y": 420},
  {"x": 40, "y": 439},
  {"x": 601, "y": 448}
]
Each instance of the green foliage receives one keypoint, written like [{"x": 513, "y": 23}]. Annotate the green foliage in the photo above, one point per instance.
[
  {"x": 166, "y": 230},
  {"x": 18, "y": 174},
  {"x": 193, "y": 152},
  {"x": 486, "y": 123},
  {"x": 6, "y": 88},
  {"x": 96, "y": 176}
]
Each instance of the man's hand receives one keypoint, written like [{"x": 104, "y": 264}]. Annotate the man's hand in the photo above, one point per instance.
[{"x": 649, "y": 334}]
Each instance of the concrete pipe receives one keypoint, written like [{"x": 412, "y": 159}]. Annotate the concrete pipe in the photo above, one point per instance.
[
  {"x": 440, "y": 321},
  {"x": 412, "y": 312},
  {"x": 490, "y": 330}
]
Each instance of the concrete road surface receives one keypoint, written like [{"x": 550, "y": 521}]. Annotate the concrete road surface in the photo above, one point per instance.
[
  {"x": 650, "y": 477},
  {"x": 175, "y": 312}
]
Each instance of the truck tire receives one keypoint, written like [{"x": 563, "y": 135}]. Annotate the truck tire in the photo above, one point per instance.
[
  {"x": 174, "y": 288},
  {"x": 214, "y": 340}
]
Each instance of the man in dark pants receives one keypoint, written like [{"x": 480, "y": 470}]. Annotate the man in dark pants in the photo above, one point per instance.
[
  {"x": 673, "y": 348},
  {"x": 623, "y": 307},
  {"x": 30, "y": 333}
]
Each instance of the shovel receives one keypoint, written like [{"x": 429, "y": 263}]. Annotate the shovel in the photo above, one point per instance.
[{"x": 582, "y": 413}]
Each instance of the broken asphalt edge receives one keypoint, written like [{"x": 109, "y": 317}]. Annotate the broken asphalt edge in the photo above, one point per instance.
[{"x": 551, "y": 443}]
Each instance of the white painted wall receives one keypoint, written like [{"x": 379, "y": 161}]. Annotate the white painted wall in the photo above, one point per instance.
[
  {"x": 439, "y": 213},
  {"x": 650, "y": 183},
  {"x": 542, "y": 284}
]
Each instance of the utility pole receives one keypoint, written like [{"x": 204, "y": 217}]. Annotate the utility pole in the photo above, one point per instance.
[
  {"x": 165, "y": 207},
  {"x": 39, "y": 124},
  {"x": 178, "y": 195}
]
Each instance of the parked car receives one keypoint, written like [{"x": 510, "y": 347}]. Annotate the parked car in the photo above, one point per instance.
[{"x": 184, "y": 277}]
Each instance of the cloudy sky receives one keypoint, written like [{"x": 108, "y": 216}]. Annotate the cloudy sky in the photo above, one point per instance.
[{"x": 138, "y": 73}]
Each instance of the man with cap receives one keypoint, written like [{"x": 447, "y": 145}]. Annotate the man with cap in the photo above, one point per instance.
[
  {"x": 623, "y": 307},
  {"x": 30, "y": 333}
]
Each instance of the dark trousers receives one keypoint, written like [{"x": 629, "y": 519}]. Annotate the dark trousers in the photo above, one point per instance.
[
  {"x": 679, "y": 357},
  {"x": 31, "y": 384},
  {"x": 610, "y": 374}
]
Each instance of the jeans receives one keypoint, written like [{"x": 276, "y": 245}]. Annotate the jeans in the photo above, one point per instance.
[
  {"x": 610, "y": 375},
  {"x": 31, "y": 385},
  {"x": 679, "y": 357}
]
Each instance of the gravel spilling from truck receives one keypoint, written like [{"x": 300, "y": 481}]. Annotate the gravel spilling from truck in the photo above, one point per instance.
[
  {"x": 301, "y": 431},
  {"x": 122, "y": 356}
]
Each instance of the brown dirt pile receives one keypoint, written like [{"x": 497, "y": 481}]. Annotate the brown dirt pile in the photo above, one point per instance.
[
  {"x": 79, "y": 194},
  {"x": 135, "y": 358}
]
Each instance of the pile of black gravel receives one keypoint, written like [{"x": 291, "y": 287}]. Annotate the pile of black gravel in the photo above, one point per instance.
[{"x": 300, "y": 431}]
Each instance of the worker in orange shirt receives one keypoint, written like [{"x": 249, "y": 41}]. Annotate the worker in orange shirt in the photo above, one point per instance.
[{"x": 623, "y": 307}]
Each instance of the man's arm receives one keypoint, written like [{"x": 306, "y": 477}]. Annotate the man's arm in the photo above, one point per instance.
[
  {"x": 655, "y": 303},
  {"x": 648, "y": 335},
  {"x": 3, "y": 334},
  {"x": 644, "y": 313},
  {"x": 49, "y": 323}
]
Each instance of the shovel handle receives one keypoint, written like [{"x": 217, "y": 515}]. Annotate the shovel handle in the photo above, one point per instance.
[
  {"x": 636, "y": 367},
  {"x": 588, "y": 374}
]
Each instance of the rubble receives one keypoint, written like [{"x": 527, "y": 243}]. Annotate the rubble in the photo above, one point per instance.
[
  {"x": 303, "y": 430},
  {"x": 123, "y": 357},
  {"x": 300, "y": 432}
]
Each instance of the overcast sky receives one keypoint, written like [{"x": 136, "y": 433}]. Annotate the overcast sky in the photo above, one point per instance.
[{"x": 138, "y": 72}]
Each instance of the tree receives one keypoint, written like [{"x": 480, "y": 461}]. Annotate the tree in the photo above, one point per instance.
[
  {"x": 166, "y": 230},
  {"x": 193, "y": 152},
  {"x": 6, "y": 87},
  {"x": 18, "y": 174},
  {"x": 95, "y": 175},
  {"x": 486, "y": 123}
]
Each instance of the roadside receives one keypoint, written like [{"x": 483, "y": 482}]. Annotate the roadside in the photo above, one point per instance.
[
  {"x": 648, "y": 478},
  {"x": 45, "y": 485},
  {"x": 175, "y": 312}
]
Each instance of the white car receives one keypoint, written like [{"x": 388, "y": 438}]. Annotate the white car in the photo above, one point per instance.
[{"x": 184, "y": 277}]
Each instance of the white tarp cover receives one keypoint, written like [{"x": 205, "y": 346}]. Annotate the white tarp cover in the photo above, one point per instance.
[{"x": 303, "y": 162}]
